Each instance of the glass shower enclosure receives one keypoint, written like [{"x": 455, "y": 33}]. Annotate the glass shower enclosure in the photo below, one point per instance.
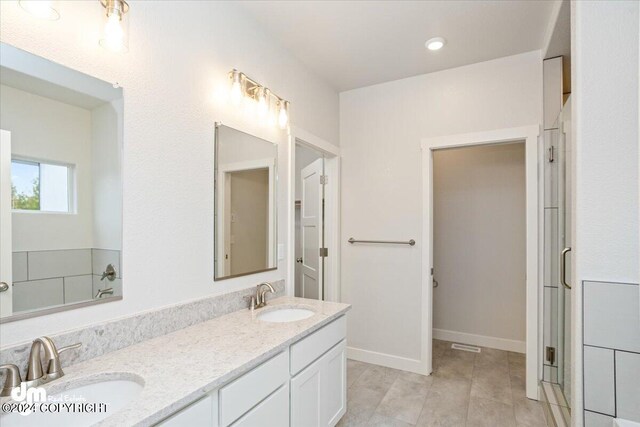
[{"x": 556, "y": 384}]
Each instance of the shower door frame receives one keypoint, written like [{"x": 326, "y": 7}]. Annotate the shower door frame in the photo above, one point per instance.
[{"x": 530, "y": 135}]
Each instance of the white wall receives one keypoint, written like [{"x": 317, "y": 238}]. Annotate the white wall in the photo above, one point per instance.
[
  {"x": 479, "y": 242},
  {"x": 605, "y": 38},
  {"x": 45, "y": 129},
  {"x": 380, "y": 131},
  {"x": 106, "y": 169},
  {"x": 175, "y": 81}
]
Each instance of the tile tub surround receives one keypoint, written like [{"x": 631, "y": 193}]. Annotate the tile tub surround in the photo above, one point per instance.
[
  {"x": 181, "y": 367},
  {"x": 115, "y": 334},
  {"x": 611, "y": 352},
  {"x": 49, "y": 278}
]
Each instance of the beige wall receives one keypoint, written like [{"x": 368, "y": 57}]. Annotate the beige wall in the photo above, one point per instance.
[
  {"x": 479, "y": 240},
  {"x": 250, "y": 229}
]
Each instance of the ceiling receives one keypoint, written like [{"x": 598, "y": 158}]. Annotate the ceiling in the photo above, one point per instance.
[{"x": 352, "y": 44}]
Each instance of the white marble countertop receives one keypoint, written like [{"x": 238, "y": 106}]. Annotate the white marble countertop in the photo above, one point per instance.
[{"x": 181, "y": 367}]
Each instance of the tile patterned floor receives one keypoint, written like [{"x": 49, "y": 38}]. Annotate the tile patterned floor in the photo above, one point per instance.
[{"x": 466, "y": 389}]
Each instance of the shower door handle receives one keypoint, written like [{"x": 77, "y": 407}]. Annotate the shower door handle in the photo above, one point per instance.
[{"x": 563, "y": 267}]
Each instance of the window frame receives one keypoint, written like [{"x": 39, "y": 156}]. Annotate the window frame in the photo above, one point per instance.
[{"x": 71, "y": 185}]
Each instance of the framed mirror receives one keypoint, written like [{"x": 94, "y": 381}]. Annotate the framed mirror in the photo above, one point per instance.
[
  {"x": 60, "y": 188},
  {"x": 245, "y": 204}
]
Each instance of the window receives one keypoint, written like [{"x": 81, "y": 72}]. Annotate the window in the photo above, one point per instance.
[{"x": 37, "y": 186}]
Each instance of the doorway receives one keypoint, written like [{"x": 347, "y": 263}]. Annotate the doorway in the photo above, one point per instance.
[
  {"x": 309, "y": 223},
  {"x": 532, "y": 214},
  {"x": 314, "y": 217},
  {"x": 479, "y": 245}
]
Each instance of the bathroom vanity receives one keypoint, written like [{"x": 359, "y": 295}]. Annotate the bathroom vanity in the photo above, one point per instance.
[
  {"x": 303, "y": 385},
  {"x": 280, "y": 365}
]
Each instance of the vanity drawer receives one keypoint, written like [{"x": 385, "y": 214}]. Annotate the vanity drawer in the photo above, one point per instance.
[
  {"x": 272, "y": 412},
  {"x": 315, "y": 345},
  {"x": 239, "y": 396}
]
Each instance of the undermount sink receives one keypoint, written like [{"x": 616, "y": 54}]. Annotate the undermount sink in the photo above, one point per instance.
[
  {"x": 285, "y": 314},
  {"x": 116, "y": 394}
]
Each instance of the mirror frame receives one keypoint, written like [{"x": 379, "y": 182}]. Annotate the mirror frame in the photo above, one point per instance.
[{"x": 216, "y": 144}]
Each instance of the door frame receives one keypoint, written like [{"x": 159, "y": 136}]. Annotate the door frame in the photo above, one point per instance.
[
  {"x": 223, "y": 206},
  {"x": 331, "y": 213},
  {"x": 530, "y": 135}
]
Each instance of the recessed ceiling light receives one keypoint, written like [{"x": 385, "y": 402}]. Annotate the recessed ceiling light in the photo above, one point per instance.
[{"x": 435, "y": 43}]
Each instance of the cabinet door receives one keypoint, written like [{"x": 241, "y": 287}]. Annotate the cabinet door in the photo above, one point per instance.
[
  {"x": 319, "y": 392},
  {"x": 199, "y": 414},
  {"x": 333, "y": 384},
  {"x": 306, "y": 396},
  {"x": 272, "y": 412}
]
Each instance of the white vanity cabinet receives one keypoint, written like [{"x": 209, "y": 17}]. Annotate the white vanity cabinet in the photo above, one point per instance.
[
  {"x": 319, "y": 369},
  {"x": 303, "y": 386}
]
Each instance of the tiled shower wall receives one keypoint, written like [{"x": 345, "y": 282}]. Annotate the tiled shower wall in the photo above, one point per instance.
[
  {"x": 48, "y": 278},
  {"x": 611, "y": 338}
]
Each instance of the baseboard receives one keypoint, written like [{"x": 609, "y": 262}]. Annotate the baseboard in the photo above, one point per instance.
[
  {"x": 481, "y": 340},
  {"x": 388, "y": 360}
]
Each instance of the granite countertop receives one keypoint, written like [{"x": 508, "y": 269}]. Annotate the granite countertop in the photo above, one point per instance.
[{"x": 183, "y": 366}]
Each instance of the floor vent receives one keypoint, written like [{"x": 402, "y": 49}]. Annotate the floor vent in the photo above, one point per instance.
[{"x": 465, "y": 347}]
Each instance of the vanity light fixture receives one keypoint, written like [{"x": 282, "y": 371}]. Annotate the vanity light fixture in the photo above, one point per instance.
[
  {"x": 42, "y": 9},
  {"x": 245, "y": 88},
  {"x": 115, "y": 33},
  {"x": 435, "y": 43}
]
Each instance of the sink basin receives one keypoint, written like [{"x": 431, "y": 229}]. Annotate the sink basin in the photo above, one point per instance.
[
  {"x": 285, "y": 314},
  {"x": 116, "y": 394}
]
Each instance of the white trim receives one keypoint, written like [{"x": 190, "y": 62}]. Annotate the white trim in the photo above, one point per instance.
[
  {"x": 383, "y": 359},
  {"x": 533, "y": 213},
  {"x": 332, "y": 215},
  {"x": 6, "y": 274},
  {"x": 481, "y": 340}
]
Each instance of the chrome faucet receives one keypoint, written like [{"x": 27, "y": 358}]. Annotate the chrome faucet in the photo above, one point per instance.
[
  {"x": 35, "y": 374},
  {"x": 261, "y": 299}
]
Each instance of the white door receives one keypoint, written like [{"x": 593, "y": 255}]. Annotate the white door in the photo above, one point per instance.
[
  {"x": 6, "y": 289},
  {"x": 311, "y": 227}
]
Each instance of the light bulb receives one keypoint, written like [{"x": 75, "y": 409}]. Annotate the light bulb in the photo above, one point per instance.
[
  {"x": 236, "y": 87},
  {"x": 114, "y": 34},
  {"x": 283, "y": 117},
  {"x": 42, "y": 9},
  {"x": 263, "y": 102}
]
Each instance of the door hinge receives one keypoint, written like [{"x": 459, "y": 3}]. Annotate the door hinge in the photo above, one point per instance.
[
  {"x": 324, "y": 179},
  {"x": 551, "y": 355},
  {"x": 324, "y": 252}
]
